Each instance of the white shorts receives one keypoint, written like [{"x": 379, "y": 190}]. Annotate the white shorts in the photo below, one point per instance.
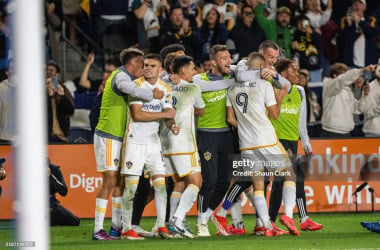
[
  {"x": 107, "y": 153},
  {"x": 182, "y": 164},
  {"x": 140, "y": 157},
  {"x": 273, "y": 158}
]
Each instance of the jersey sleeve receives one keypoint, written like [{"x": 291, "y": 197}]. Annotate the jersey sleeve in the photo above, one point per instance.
[
  {"x": 228, "y": 102},
  {"x": 167, "y": 100},
  {"x": 269, "y": 98},
  {"x": 198, "y": 100},
  {"x": 125, "y": 85}
]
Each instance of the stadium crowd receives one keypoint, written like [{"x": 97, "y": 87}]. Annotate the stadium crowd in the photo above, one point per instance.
[{"x": 181, "y": 122}]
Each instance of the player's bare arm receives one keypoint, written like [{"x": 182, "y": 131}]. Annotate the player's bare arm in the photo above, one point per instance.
[
  {"x": 231, "y": 118},
  {"x": 199, "y": 112}
]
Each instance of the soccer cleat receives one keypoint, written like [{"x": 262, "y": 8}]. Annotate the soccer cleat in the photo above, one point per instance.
[
  {"x": 101, "y": 235},
  {"x": 289, "y": 223},
  {"x": 220, "y": 223},
  {"x": 259, "y": 230},
  {"x": 115, "y": 232},
  {"x": 372, "y": 226},
  {"x": 202, "y": 230},
  {"x": 163, "y": 233},
  {"x": 131, "y": 235},
  {"x": 181, "y": 228},
  {"x": 269, "y": 232},
  {"x": 141, "y": 232},
  {"x": 277, "y": 230},
  {"x": 232, "y": 230},
  {"x": 187, "y": 227},
  {"x": 310, "y": 225}
]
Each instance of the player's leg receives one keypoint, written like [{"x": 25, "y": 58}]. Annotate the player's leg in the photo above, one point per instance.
[
  {"x": 275, "y": 199},
  {"x": 117, "y": 195},
  {"x": 107, "y": 153},
  {"x": 155, "y": 165}
]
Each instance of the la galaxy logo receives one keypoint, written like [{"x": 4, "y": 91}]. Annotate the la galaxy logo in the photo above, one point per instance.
[
  {"x": 207, "y": 155},
  {"x": 290, "y": 153},
  {"x": 129, "y": 164},
  {"x": 116, "y": 162}
]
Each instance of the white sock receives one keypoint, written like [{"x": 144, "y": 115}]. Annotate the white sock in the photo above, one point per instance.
[
  {"x": 208, "y": 215},
  {"x": 131, "y": 183},
  {"x": 116, "y": 211},
  {"x": 236, "y": 214},
  {"x": 100, "y": 211},
  {"x": 187, "y": 201},
  {"x": 303, "y": 219},
  {"x": 250, "y": 196},
  {"x": 201, "y": 218},
  {"x": 262, "y": 208},
  {"x": 175, "y": 197},
  {"x": 289, "y": 197},
  {"x": 223, "y": 212},
  {"x": 160, "y": 200}
]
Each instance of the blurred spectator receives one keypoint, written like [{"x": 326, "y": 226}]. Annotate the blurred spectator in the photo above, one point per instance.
[
  {"x": 7, "y": 94},
  {"x": 313, "y": 11},
  {"x": 339, "y": 104},
  {"x": 278, "y": 30},
  {"x": 178, "y": 30},
  {"x": 5, "y": 42},
  {"x": 307, "y": 46},
  {"x": 60, "y": 105},
  {"x": 94, "y": 85},
  {"x": 357, "y": 89},
  {"x": 3, "y": 173},
  {"x": 247, "y": 34},
  {"x": 206, "y": 64},
  {"x": 339, "y": 8},
  {"x": 53, "y": 17},
  {"x": 227, "y": 10},
  {"x": 371, "y": 107},
  {"x": 71, "y": 9},
  {"x": 191, "y": 11},
  {"x": 357, "y": 37},
  {"x": 213, "y": 31},
  {"x": 313, "y": 107},
  {"x": 150, "y": 14},
  {"x": 59, "y": 215}
]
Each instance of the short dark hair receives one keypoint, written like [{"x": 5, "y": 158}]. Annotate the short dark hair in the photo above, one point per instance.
[
  {"x": 113, "y": 61},
  {"x": 179, "y": 62},
  {"x": 154, "y": 56},
  {"x": 55, "y": 65},
  {"x": 174, "y": 8},
  {"x": 170, "y": 49},
  {"x": 268, "y": 44},
  {"x": 217, "y": 48},
  {"x": 127, "y": 55},
  {"x": 283, "y": 64}
]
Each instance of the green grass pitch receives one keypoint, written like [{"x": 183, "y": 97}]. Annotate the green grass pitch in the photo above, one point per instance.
[{"x": 341, "y": 231}]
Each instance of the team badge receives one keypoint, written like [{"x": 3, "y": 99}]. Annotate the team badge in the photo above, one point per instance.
[
  {"x": 116, "y": 162},
  {"x": 129, "y": 164},
  {"x": 207, "y": 155}
]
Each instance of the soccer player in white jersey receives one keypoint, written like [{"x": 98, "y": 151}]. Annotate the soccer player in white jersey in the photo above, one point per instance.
[
  {"x": 142, "y": 147},
  {"x": 181, "y": 153},
  {"x": 251, "y": 102}
]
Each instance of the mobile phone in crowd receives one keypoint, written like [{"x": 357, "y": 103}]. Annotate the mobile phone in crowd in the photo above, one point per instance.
[{"x": 54, "y": 81}]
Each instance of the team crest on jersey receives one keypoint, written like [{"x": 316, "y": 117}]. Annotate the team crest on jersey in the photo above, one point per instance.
[
  {"x": 128, "y": 164},
  {"x": 116, "y": 162},
  {"x": 207, "y": 155},
  {"x": 290, "y": 153}
]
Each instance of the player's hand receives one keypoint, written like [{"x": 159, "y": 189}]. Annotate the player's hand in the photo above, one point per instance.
[
  {"x": 175, "y": 79},
  {"x": 267, "y": 74},
  {"x": 158, "y": 94},
  {"x": 175, "y": 129},
  {"x": 366, "y": 89},
  {"x": 60, "y": 90},
  {"x": 369, "y": 68},
  {"x": 169, "y": 114},
  {"x": 91, "y": 58},
  {"x": 49, "y": 87}
]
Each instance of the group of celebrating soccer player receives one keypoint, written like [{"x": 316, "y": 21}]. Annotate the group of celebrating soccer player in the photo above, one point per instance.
[{"x": 178, "y": 124}]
